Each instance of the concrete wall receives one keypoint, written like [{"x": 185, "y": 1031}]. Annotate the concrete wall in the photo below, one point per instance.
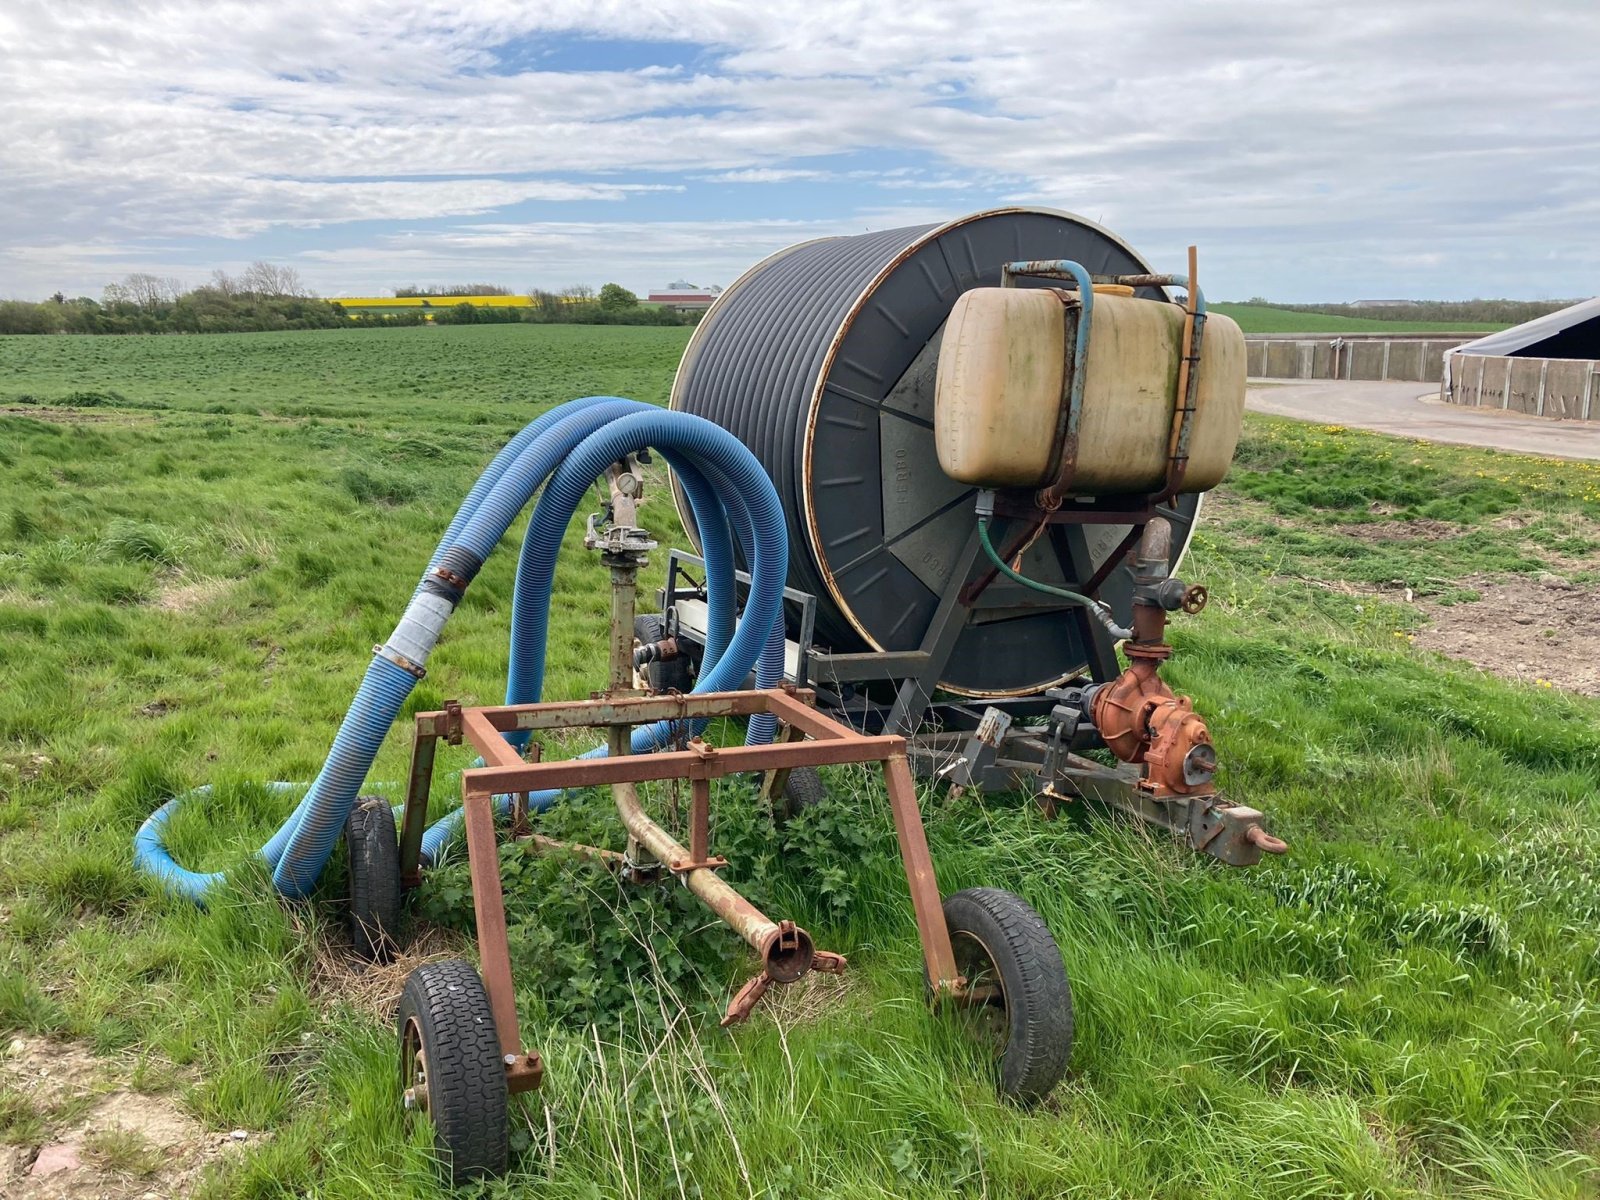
[
  {"x": 1359, "y": 356},
  {"x": 1564, "y": 388}
]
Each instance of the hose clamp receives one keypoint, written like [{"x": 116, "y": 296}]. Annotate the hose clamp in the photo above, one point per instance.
[
  {"x": 450, "y": 577},
  {"x": 401, "y": 661},
  {"x": 456, "y": 581}
]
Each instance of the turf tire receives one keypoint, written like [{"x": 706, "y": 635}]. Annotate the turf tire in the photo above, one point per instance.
[
  {"x": 804, "y": 789},
  {"x": 447, "y": 1008},
  {"x": 987, "y": 923},
  {"x": 373, "y": 850}
]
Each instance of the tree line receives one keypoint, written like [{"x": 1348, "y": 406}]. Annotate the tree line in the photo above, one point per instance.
[
  {"x": 267, "y": 297},
  {"x": 1504, "y": 312}
]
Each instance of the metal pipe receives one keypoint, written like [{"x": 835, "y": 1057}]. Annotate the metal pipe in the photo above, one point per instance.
[
  {"x": 624, "y": 577},
  {"x": 1155, "y": 552},
  {"x": 786, "y": 950}
]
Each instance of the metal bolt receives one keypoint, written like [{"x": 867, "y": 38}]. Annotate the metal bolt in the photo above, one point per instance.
[{"x": 511, "y": 1060}]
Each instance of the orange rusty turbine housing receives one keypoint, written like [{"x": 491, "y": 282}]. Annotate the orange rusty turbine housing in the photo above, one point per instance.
[{"x": 1142, "y": 721}]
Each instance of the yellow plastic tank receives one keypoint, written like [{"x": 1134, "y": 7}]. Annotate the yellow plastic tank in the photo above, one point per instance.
[{"x": 1000, "y": 390}]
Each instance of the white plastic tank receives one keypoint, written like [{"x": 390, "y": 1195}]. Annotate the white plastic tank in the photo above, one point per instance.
[{"x": 1001, "y": 387}]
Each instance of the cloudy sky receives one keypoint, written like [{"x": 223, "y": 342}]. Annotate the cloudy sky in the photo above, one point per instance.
[{"x": 1314, "y": 150}]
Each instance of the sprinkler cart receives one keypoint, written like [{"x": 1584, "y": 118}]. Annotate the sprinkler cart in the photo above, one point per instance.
[{"x": 462, "y": 1051}]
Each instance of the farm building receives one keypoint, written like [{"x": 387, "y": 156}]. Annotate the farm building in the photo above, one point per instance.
[
  {"x": 1546, "y": 366},
  {"x": 684, "y": 297}
]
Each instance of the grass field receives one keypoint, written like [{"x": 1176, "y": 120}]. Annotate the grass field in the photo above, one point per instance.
[
  {"x": 202, "y": 537},
  {"x": 1261, "y": 318}
]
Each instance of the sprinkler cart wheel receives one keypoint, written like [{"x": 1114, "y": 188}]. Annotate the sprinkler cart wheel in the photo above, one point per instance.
[
  {"x": 804, "y": 789},
  {"x": 1017, "y": 994},
  {"x": 451, "y": 1070},
  {"x": 373, "y": 849}
]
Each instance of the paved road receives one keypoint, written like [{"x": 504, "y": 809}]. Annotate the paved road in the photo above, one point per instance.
[{"x": 1403, "y": 409}]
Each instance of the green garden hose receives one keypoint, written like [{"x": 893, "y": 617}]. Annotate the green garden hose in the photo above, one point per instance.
[{"x": 1101, "y": 611}]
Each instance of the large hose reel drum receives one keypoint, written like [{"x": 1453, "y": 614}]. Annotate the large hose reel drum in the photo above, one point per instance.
[{"x": 823, "y": 360}]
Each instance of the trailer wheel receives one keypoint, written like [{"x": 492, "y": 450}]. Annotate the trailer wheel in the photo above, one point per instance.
[
  {"x": 373, "y": 850},
  {"x": 804, "y": 789},
  {"x": 662, "y": 676},
  {"x": 1024, "y": 1015},
  {"x": 451, "y": 1070}
]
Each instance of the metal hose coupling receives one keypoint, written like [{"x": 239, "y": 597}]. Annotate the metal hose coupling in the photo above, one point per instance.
[{"x": 1102, "y": 613}]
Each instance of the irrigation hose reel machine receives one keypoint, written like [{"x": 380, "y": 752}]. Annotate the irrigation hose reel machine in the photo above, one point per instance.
[
  {"x": 956, "y": 465},
  {"x": 990, "y": 437}
]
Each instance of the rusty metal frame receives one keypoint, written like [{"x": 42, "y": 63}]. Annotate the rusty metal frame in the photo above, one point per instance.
[{"x": 786, "y": 950}]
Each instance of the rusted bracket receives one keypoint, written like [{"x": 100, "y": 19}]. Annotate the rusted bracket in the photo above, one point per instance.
[
  {"x": 1233, "y": 833},
  {"x": 746, "y": 998},
  {"x": 967, "y": 995},
  {"x": 452, "y": 722},
  {"x": 829, "y": 963},
  {"x": 683, "y": 866},
  {"x": 524, "y": 1072}
]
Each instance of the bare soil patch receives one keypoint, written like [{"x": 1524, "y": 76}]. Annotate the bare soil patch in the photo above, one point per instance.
[
  {"x": 79, "y": 416},
  {"x": 1419, "y": 529},
  {"x": 77, "y": 1128},
  {"x": 1544, "y": 630},
  {"x": 186, "y": 593}
]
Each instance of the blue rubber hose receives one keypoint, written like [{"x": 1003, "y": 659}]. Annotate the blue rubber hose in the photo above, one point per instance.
[
  {"x": 724, "y": 482},
  {"x": 752, "y": 506},
  {"x": 314, "y": 836},
  {"x": 527, "y": 453},
  {"x": 509, "y": 457},
  {"x": 711, "y": 447},
  {"x": 299, "y": 850},
  {"x": 531, "y": 603},
  {"x": 506, "y": 459},
  {"x": 530, "y": 627},
  {"x": 770, "y": 666}
]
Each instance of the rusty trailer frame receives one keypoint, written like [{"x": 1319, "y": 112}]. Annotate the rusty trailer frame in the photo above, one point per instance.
[{"x": 807, "y": 738}]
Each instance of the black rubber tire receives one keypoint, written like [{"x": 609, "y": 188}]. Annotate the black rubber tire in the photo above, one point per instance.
[
  {"x": 373, "y": 851},
  {"x": 662, "y": 676},
  {"x": 1036, "y": 1001},
  {"x": 445, "y": 1006},
  {"x": 804, "y": 789}
]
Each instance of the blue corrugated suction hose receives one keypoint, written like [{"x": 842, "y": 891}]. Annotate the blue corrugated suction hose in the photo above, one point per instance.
[
  {"x": 564, "y": 450},
  {"x": 755, "y": 514}
]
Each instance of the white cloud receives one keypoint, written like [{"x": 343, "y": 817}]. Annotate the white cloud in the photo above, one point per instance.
[
  {"x": 553, "y": 254},
  {"x": 1311, "y": 145},
  {"x": 770, "y": 175}
]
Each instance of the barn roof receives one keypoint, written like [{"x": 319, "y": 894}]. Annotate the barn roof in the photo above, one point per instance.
[{"x": 1573, "y": 332}]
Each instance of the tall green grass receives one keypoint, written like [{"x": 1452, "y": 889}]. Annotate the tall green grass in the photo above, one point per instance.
[
  {"x": 1267, "y": 318},
  {"x": 1402, "y": 1006}
]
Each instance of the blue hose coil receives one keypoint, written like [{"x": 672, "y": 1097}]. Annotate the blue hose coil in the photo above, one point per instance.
[
  {"x": 753, "y": 507},
  {"x": 564, "y": 450}
]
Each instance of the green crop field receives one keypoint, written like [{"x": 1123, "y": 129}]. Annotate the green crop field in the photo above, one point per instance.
[
  {"x": 1263, "y": 318},
  {"x": 202, "y": 537}
]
